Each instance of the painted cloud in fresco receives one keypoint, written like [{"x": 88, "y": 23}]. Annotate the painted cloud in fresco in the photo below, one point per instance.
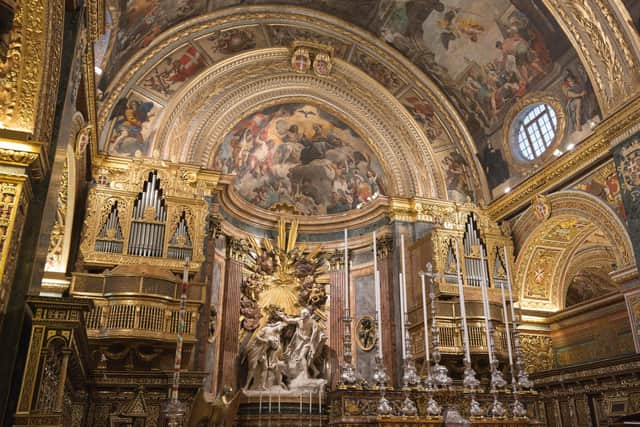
[{"x": 300, "y": 155}]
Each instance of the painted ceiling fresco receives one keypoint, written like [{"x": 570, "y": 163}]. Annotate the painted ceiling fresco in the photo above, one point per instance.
[
  {"x": 301, "y": 156},
  {"x": 485, "y": 55}
]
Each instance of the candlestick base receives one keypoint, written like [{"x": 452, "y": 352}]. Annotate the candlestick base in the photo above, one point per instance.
[
  {"x": 384, "y": 407},
  {"x": 408, "y": 408},
  {"x": 497, "y": 409},
  {"x": 174, "y": 411},
  {"x": 347, "y": 376},
  {"x": 518, "y": 410},
  {"x": 380, "y": 377}
]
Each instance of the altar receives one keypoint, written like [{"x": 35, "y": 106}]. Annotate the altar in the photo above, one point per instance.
[{"x": 351, "y": 408}]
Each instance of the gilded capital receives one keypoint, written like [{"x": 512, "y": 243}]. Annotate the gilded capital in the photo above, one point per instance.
[{"x": 237, "y": 249}]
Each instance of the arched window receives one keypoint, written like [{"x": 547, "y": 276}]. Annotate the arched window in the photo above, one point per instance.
[{"x": 537, "y": 125}]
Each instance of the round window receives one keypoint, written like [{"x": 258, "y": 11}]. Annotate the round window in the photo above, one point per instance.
[{"x": 536, "y": 128}]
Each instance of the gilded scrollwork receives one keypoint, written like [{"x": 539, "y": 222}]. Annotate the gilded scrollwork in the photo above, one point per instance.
[
  {"x": 602, "y": 46},
  {"x": 537, "y": 352},
  {"x": 56, "y": 241}
]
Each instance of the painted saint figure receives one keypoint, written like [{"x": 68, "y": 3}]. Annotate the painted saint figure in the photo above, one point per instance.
[{"x": 575, "y": 94}]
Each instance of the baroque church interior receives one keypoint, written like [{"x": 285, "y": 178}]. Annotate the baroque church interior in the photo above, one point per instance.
[{"x": 348, "y": 213}]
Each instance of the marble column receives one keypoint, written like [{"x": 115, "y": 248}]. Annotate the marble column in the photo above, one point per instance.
[
  {"x": 230, "y": 311},
  {"x": 336, "y": 315},
  {"x": 387, "y": 307}
]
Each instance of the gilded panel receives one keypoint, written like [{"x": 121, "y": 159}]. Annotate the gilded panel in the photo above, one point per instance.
[{"x": 540, "y": 271}]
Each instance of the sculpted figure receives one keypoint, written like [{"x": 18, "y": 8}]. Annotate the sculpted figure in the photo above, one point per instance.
[
  {"x": 262, "y": 356},
  {"x": 301, "y": 343},
  {"x": 305, "y": 355}
]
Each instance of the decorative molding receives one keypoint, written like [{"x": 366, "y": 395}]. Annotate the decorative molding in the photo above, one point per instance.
[
  {"x": 24, "y": 154},
  {"x": 577, "y": 216}
]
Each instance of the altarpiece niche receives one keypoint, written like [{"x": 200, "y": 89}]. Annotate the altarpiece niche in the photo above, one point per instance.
[{"x": 283, "y": 316}]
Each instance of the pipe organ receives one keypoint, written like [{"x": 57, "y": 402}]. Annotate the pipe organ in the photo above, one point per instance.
[
  {"x": 475, "y": 265},
  {"x": 475, "y": 235},
  {"x": 148, "y": 221},
  {"x": 180, "y": 246},
  {"x": 155, "y": 211}
]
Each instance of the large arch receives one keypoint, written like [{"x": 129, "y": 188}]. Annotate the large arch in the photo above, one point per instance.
[
  {"x": 201, "y": 122},
  {"x": 315, "y": 26},
  {"x": 551, "y": 251}
]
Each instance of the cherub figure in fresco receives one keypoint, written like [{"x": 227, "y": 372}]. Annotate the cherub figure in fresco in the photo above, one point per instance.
[
  {"x": 130, "y": 116},
  {"x": 454, "y": 27}
]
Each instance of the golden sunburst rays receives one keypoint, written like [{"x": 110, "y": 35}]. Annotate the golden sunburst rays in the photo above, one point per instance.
[{"x": 286, "y": 275}]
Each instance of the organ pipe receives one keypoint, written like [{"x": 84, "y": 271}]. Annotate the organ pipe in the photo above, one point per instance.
[
  {"x": 110, "y": 236},
  {"x": 147, "y": 232}
]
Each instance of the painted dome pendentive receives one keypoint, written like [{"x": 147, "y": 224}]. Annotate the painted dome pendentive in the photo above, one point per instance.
[{"x": 301, "y": 156}]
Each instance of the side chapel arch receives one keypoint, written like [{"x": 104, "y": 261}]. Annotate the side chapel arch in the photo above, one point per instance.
[{"x": 549, "y": 252}]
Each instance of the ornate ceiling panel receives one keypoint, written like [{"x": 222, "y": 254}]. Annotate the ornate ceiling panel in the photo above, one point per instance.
[
  {"x": 482, "y": 59},
  {"x": 161, "y": 76}
]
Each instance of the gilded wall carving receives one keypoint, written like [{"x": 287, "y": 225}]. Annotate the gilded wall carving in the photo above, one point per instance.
[
  {"x": 30, "y": 74},
  {"x": 54, "y": 253},
  {"x": 13, "y": 204},
  {"x": 537, "y": 352}
]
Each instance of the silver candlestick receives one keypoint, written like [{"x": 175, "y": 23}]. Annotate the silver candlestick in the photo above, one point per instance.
[
  {"x": 410, "y": 377},
  {"x": 523, "y": 378},
  {"x": 440, "y": 372},
  {"x": 470, "y": 382},
  {"x": 497, "y": 381},
  {"x": 381, "y": 379},
  {"x": 348, "y": 374}
]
